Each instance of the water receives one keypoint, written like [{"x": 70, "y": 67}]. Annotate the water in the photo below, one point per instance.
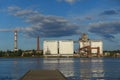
[{"x": 72, "y": 68}]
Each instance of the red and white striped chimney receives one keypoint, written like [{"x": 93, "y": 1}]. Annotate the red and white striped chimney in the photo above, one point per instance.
[{"x": 15, "y": 41}]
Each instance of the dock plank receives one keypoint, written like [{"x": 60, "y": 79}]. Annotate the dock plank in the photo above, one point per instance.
[{"x": 43, "y": 75}]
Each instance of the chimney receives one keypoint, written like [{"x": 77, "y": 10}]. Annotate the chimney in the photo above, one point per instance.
[
  {"x": 38, "y": 44},
  {"x": 15, "y": 41}
]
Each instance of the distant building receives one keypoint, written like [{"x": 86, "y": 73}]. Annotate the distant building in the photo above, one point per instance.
[
  {"x": 87, "y": 47},
  {"x": 50, "y": 47},
  {"x": 92, "y": 47},
  {"x": 61, "y": 47},
  {"x": 66, "y": 47},
  {"x": 97, "y": 43}
]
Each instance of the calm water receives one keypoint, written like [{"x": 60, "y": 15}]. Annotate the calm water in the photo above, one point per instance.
[{"x": 72, "y": 68}]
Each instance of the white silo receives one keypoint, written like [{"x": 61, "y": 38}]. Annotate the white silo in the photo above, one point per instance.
[
  {"x": 50, "y": 47},
  {"x": 66, "y": 47}
]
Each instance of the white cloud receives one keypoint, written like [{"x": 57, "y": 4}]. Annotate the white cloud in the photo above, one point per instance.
[
  {"x": 69, "y": 1},
  {"x": 25, "y": 12},
  {"x": 108, "y": 30},
  {"x": 13, "y": 8},
  {"x": 46, "y": 25}
]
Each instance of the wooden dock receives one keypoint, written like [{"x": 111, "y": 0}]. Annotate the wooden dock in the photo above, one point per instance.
[{"x": 43, "y": 75}]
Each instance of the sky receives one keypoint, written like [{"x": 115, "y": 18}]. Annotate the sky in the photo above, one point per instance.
[{"x": 59, "y": 20}]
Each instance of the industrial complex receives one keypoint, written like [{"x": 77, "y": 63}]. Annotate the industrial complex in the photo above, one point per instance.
[{"x": 86, "y": 47}]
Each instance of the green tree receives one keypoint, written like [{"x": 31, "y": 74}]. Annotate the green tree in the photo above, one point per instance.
[{"x": 19, "y": 52}]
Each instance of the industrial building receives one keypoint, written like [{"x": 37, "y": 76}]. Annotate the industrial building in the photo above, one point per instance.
[
  {"x": 90, "y": 47},
  {"x": 66, "y": 47},
  {"x": 50, "y": 47},
  {"x": 97, "y": 43},
  {"x": 86, "y": 47},
  {"x": 61, "y": 47}
]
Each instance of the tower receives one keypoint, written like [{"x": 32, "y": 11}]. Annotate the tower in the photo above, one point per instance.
[
  {"x": 15, "y": 41},
  {"x": 38, "y": 44}
]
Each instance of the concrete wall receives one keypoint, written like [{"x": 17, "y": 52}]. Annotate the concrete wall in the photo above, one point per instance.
[
  {"x": 55, "y": 47},
  {"x": 50, "y": 47},
  {"x": 66, "y": 47},
  {"x": 97, "y": 44}
]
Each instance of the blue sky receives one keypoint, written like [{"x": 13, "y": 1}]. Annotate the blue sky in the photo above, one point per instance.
[{"x": 59, "y": 19}]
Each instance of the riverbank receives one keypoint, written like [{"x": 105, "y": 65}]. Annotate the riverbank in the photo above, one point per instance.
[{"x": 59, "y": 57}]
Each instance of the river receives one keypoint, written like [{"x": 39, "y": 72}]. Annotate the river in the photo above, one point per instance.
[{"x": 72, "y": 68}]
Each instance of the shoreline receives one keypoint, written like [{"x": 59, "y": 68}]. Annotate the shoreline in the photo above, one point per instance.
[{"x": 60, "y": 57}]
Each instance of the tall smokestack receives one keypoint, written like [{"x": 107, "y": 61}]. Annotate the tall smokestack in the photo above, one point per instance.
[
  {"x": 15, "y": 41},
  {"x": 38, "y": 44}
]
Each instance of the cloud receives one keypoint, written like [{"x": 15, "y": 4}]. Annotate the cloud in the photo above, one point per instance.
[
  {"x": 51, "y": 26},
  {"x": 25, "y": 13},
  {"x": 45, "y": 25},
  {"x": 13, "y": 8},
  {"x": 69, "y": 1},
  {"x": 110, "y": 12},
  {"x": 108, "y": 30},
  {"x": 17, "y": 11},
  {"x": 86, "y": 18}
]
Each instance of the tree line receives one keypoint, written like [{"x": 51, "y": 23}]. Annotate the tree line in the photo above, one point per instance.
[
  {"x": 112, "y": 53},
  {"x": 20, "y": 53},
  {"x": 34, "y": 53}
]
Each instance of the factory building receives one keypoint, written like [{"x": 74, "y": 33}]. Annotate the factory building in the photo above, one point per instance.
[
  {"x": 55, "y": 47},
  {"x": 90, "y": 47},
  {"x": 94, "y": 44},
  {"x": 50, "y": 47},
  {"x": 86, "y": 47}
]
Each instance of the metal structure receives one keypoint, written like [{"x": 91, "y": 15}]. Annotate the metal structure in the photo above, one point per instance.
[
  {"x": 88, "y": 50},
  {"x": 87, "y": 46}
]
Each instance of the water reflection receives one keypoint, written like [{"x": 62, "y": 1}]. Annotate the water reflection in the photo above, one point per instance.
[
  {"x": 72, "y": 68},
  {"x": 91, "y": 69},
  {"x": 64, "y": 65},
  {"x": 15, "y": 69}
]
